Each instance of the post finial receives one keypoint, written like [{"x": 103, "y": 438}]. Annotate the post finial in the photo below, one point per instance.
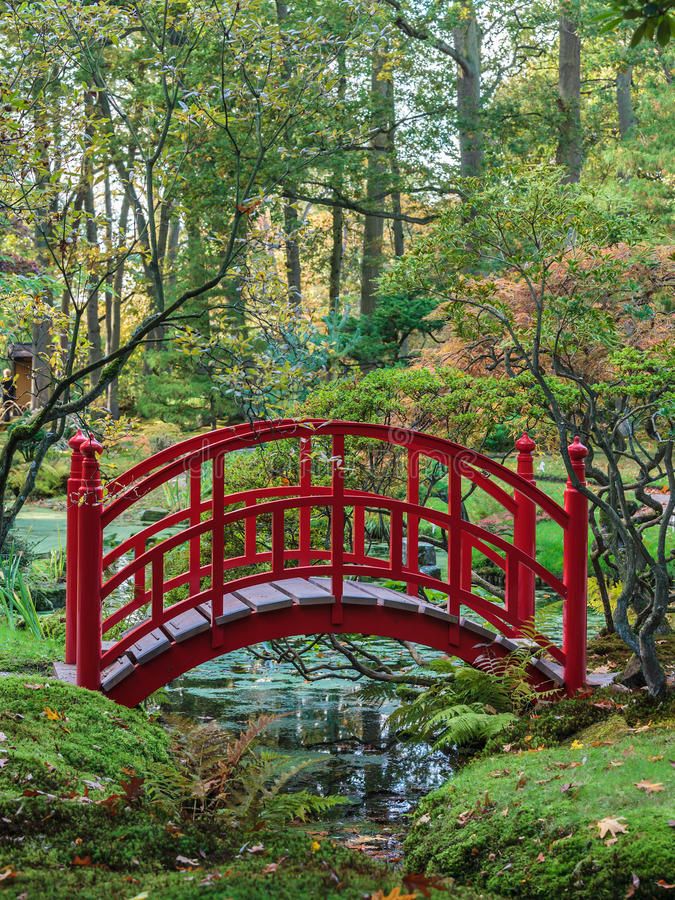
[
  {"x": 90, "y": 447},
  {"x": 76, "y": 441},
  {"x": 525, "y": 444},
  {"x": 577, "y": 450}
]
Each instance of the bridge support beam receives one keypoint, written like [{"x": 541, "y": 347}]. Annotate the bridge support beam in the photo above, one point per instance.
[
  {"x": 575, "y": 572},
  {"x": 89, "y": 564}
]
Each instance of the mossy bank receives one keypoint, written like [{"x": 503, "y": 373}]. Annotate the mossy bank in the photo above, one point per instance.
[
  {"x": 560, "y": 812},
  {"x": 83, "y": 812}
]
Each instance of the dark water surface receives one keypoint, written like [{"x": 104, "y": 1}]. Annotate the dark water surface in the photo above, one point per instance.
[{"x": 327, "y": 719}]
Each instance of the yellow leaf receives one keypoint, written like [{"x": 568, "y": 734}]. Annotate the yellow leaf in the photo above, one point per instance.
[
  {"x": 315, "y": 846},
  {"x": 576, "y": 745}
]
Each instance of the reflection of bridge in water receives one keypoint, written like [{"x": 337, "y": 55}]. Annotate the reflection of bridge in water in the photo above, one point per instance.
[{"x": 304, "y": 585}]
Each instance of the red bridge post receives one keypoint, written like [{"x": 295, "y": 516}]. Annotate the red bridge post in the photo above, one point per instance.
[
  {"x": 575, "y": 572},
  {"x": 72, "y": 495},
  {"x": 525, "y": 530},
  {"x": 89, "y": 566}
]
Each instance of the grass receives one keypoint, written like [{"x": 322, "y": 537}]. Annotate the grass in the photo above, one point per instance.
[
  {"x": 21, "y": 652},
  {"x": 524, "y": 823}
]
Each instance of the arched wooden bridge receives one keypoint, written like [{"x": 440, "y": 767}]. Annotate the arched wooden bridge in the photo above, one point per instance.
[{"x": 185, "y": 601}]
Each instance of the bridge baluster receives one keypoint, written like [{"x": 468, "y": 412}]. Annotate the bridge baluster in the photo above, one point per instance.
[
  {"x": 278, "y": 542},
  {"x": 89, "y": 564},
  {"x": 412, "y": 535},
  {"x": 217, "y": 547},
  {"x": 139, "y": 574},
  {"x": 305, "y": 538},
  {"x": 454, "y": 543},
  {"x": 337, "y": 524},
  {"x": 195, "y": 516},
  {"x": 157, "y": 592},
  {"x": 396, "y": 543},
  {"x": 525, "y": 532},
  {"x": 575, "y": 572},
  {"x": 72, "y": 495}
]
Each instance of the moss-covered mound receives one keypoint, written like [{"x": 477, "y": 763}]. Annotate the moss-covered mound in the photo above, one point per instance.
[
  {"x": 83, "y": 786},
  {"x": 590, "y": 818}
]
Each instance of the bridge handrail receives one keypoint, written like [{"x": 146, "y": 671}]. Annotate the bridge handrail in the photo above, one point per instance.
[
  {"x": 437, "y": 517},
  {"x": 426, "y": 445}
]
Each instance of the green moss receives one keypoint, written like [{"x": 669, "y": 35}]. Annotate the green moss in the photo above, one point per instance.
[
  {"x": 57, "y": 735},
  {"x": 525, "y": 824}
]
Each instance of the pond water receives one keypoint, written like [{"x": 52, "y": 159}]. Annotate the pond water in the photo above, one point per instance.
[{"x": 328, "y": 720}]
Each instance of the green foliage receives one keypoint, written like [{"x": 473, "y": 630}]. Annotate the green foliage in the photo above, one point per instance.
[
  {"x": 380, "y": 338},
  {"x": 655, "y": 21},
  {"x": 463, "y": 710},
  {"x": 16, "y": 600}
]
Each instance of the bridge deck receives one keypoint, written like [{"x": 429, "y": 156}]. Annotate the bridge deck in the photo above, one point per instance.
[{"x": 299, "y": 592}]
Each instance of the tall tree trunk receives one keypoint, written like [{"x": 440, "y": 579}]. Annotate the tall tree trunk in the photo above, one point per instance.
[
  {"x": 373, "y": 226},
  {"x": 114, "y": 290},
  {"x": 291, "y": 218},
  {"x": 397, "y": 225},
  {"x": 624, "y": 101},
  {"x": 570, "y": 137},
  {"x": 466, "y": 40},
  {"x": 337, "y": 213},
  {"x": 292, "y": 252}
]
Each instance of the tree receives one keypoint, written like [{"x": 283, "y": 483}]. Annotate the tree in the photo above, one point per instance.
[
  {"x": 130, "y": 79},
  {"x": 533, "y": 288}
]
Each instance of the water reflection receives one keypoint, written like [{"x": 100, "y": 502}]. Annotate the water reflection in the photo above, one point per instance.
[{"x": 380, "y": 779}]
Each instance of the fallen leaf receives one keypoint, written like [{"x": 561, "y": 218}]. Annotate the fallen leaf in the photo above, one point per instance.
[
  {"x": 424, "y": 884},
  {"x": 7, "y": 872},
  {"x": 522, "y": 781},
  {"x": 53, "y": 715},
  {"x": 500, "y": 773},
  {"x": 642, "y": 728},
  {"x": 541, "y": 858},
  {"x": 633, "y": 886},
  {"x": 576, "y": 745},
  {"x": 257, "y": 848},
  {"x": 655, "y": 758},
  {"x": 34, "y": 687},
  {"x": 3, "y": 736},
  {"x": 616, "y": 763},
  {"x": 613, "y": 826},
  {"x": 662, "y": 883},
  {"x": 423, "y": 819},
  {"x": 3, "y": 762},
  {"x": 186, "y": 862},
  {"x": 395, "y": 894},
  {"x": 649, "y": 787},
  {"x": 569, "y": 786},
  {"x": 81, "y": 861}
]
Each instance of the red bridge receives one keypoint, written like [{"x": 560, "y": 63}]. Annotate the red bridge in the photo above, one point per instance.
[{"x": 172, "y": 596}]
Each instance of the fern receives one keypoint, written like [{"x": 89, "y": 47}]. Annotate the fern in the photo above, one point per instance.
[{"x": 229, "y": 777}]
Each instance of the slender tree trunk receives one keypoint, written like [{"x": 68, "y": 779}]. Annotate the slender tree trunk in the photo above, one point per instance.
[
  {"x": 373, "y": 226},
  {"x": 570, "y": 137},
  {"x": 336, "y": 259},
  {"x": 397, "y": 226},
  {"x": 338, "y": 216},
  {"x": 91, "y": 228},
  {"x": 291, "y": 218},
  {"x": 114, "y": 290},
  {"x": 624, "y": 101},
  {"x": 467, "y": 39},
  {"x": 292, "y": 252}
]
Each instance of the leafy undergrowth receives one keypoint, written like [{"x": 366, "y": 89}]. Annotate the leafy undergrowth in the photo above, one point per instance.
[
  {"x": 592, "y": 817},
  {"x": 83, "y": 813}
]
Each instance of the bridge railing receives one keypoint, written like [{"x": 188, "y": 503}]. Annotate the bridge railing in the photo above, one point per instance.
[{"x": 89, "y": 515}]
